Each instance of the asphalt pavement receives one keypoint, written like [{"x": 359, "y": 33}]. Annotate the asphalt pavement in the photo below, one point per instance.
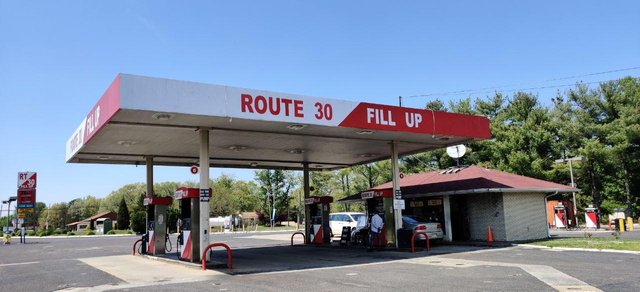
[{"x": 266, "y": 261}]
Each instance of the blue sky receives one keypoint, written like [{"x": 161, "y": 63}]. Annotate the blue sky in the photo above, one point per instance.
[{"x": 58, "y": 57}]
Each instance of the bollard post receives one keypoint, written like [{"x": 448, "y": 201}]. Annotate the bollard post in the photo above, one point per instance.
[{"x": 621, "y": 225}]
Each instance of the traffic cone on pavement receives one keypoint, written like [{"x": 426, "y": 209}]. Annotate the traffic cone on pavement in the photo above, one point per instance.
[{"x": 489, "y": 235}]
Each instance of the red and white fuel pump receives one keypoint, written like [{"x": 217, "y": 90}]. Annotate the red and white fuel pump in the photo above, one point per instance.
[
  {"x": 188, "y": 246},
  {"x": 319, "y": 225},
  {"x": 154, "y": 240}
]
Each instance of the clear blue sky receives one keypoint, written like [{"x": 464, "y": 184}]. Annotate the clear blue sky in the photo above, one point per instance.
[{"x": 58, "y": 57}]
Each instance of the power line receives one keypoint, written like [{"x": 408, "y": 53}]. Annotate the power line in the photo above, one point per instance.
[{"x": 483, "y": 90}]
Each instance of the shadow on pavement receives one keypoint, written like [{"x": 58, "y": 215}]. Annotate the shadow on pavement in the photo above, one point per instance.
[{"x": 300, "y": 257}]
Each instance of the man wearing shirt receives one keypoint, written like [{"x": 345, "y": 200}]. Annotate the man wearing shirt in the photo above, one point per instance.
[{"x": 376, "y": 229}]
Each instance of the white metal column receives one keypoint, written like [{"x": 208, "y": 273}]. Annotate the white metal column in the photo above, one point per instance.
[
  {"x": 149, "y": 160},
  {"x": 204, "y": 187},
  {"x": 396, "y": 189},
  {"x": 448, "y": 235},
  {"x": 307, "y": 193}
]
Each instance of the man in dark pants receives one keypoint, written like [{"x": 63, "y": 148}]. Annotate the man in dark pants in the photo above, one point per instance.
[{"x": 376, "y": 229}]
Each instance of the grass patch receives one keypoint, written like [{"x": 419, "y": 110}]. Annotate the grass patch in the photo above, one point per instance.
[{"x": 596, "y": 243}]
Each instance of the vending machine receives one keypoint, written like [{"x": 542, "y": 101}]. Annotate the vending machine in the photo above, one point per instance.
[
  {"x": 319, "y": 210},
  {"x": 154, "y": 239},
  {"x": 188, "y": 246}
]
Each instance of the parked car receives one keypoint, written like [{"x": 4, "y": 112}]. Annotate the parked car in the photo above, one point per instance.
[
  {"x": 342, "y": 219},
  {"x": 414, "y": 223}
]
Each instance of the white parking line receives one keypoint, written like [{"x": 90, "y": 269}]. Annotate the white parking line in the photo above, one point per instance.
[{"x": 17, "y": 264}]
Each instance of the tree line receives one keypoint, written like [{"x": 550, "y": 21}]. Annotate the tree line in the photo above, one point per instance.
[{"x": 600, "y": 124}]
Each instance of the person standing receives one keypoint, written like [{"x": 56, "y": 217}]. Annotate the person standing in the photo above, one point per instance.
[{"x": 376, "y": 229}]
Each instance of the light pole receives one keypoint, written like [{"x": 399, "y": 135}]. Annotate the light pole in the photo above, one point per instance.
[
  {"x": 573, "y": 185},
  {"x": 11, "y": 199}
]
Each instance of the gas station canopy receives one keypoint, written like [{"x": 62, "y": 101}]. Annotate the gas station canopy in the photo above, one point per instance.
[{"x": 141, "y": 116}]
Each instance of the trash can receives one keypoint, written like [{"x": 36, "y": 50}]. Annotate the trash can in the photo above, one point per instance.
[{"x": 404, "y": 238}]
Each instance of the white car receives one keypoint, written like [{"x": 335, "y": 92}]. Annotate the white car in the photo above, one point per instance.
[
  {"x": 414, "y": 223},
  {"x": 342, "y": 219}
]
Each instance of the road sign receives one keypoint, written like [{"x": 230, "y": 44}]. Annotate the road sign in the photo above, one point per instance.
[
  {"x": 194, "y": 169},
  {"x": 27, "y": 180}
]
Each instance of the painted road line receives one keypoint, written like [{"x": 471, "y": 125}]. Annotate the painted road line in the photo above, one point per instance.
[
  {"x": 578, "y": 249},
  {"x": 18, "y": 264},
  {"x": 146, "y": 273},
  {"x": 548, "y": 275}
]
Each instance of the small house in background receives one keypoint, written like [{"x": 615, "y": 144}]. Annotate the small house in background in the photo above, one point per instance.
[
  {"x": 91, "y": 221},
  {"x": 467, "y": 200}
]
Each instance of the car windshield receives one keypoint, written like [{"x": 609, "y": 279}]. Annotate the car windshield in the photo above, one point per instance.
[
  {"x": 356, "y": 217},
  {"x": 413, "y": 219}
]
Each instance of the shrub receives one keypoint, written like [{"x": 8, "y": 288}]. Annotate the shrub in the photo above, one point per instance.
[
  {"x": 71, "y": 233},
  {"x": 44, "y": 233},
  {"x": 31, "y": 233},
  {"x": 57, "y": 231},
  {"x": 129, "y": 232},
  {"x": 1, "y": 233},
  {"x": 91, "y": 232},
  {"x": 111, "y": 232}
]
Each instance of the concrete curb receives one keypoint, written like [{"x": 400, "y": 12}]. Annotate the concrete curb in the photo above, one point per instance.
[
  {"x": 77, "y": 236},
  {"x": 580, "y": 249}
]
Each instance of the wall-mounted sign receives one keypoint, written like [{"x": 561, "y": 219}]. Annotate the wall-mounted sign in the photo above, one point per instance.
[
  {"x": 416, "y": 204},
  {"x": 434, "y": 202}
]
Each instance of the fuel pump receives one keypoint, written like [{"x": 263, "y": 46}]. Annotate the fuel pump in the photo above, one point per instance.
[
  {"x": 560, "y": 216},
  {"x": 319, "y": 209},
  {"x": 154, "y": 239},
  {"x": 188, "y": 244},
  {"x": 378, "y": 200}
]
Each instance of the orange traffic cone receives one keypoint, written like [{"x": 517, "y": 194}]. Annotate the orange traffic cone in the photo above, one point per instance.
[{"x": 489, "y": 235}]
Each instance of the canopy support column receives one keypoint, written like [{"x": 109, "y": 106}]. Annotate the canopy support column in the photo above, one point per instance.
[
  {"x": 307, "y": 193},
  {"x": 446, "y": 204},
  {"x": 396, "y": 190},
  {"x": 149, "y": 161},
  {"x": 204, "y": 190}
]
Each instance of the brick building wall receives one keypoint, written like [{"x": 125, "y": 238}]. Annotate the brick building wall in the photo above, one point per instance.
[
  {"x": 486, "y": 210},
  {"x": 524, "y": 216}
]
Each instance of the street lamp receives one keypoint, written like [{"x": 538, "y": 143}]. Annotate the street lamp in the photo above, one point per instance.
[
  {"x": 573, "y": 185},
  {"x": 11, "y": 199}
]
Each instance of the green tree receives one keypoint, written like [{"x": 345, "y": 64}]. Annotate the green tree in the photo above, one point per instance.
[
  {"x": 123, "y": 215},
  {"x": 274, "y": 190}
]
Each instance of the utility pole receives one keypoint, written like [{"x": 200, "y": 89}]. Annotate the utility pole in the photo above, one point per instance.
[
  {"x": 400, "y": 100},
  {"x": 573, "y": 185}
]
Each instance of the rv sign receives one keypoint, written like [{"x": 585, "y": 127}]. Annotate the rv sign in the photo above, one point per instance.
[{"x": 26, "y": 180}]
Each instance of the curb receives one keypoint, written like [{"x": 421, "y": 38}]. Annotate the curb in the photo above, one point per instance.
[
  {"x": 580, "y": 249},
  {"x": 80, "y": 236}
]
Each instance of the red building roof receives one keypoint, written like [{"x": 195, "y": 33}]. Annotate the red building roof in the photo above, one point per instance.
[{"x": 472, "y": 179}]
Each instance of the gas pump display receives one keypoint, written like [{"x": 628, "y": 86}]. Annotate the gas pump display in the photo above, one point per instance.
[
  {"x": 319, "y": 224},
  {"x": 154, "y": 239},
  {"x": 188, "y": 238}
]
